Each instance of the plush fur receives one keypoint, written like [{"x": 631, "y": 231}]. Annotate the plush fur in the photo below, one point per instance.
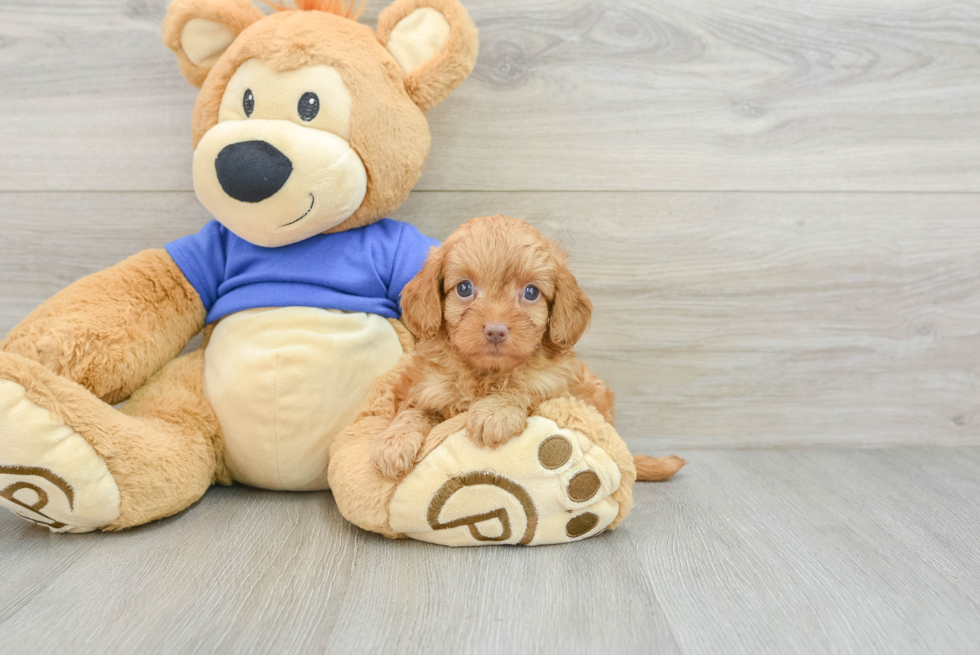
[
  {"x": 111, "y": 330},
  {"x": 388, "y": 128},
  {"x": 163, "y": 449},
  {"x": 363, "y": 493},
  {"x": 350, "y": 9},
  {"x": 435, "y": 79},
  {"x": 235, "y": 15}
]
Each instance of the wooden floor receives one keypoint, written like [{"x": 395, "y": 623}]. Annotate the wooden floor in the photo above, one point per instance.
[
  {"x": 751, "y": 551},
  {"x": 775, "y": 208}
]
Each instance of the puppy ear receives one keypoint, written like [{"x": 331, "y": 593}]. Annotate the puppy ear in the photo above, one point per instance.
[
  {"x": 434, "y": 42},
  {"x": 571, "y": 309},
  {"x": 199, "y": 32},
  {"x": 422, "y": 298}
]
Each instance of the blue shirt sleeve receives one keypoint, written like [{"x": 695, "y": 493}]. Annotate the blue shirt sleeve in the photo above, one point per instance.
[
  {"x": 201, "y": 258},
  {"x": 408, "y": 257}
]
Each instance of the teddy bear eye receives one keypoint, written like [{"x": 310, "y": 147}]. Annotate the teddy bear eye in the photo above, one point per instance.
[
  {"x": 248, "y": 102},
  {"x": 464, "y": 289},
  {"x": 531, "y": 293},
  {"x": 309, "y": 106}
]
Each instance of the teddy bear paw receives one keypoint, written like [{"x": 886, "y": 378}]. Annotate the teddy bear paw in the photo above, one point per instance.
[
  {"x": 548, "y": 485},
  {"x": 49, "y": 474}
]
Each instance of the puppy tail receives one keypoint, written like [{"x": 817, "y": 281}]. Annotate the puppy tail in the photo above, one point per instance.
[{"x": 653, "y": 469}]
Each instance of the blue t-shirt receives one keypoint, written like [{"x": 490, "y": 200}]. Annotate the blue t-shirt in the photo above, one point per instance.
[{"x": 359, "y": 270}]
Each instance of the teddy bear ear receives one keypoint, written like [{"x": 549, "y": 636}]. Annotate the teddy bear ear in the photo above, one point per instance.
[
  {"x": 434, "y": 42},
  {"x": 199, "y": 32}
]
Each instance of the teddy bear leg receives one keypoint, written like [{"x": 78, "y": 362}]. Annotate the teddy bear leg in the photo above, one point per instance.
[
  {"x": 567, "y": 477},
  {"x": 72, "y": 463},
  {"x": 361, "y": 492}
]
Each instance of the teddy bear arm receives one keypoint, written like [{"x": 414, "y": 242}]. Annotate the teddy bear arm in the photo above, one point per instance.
[{"x": 111, "y": 330}]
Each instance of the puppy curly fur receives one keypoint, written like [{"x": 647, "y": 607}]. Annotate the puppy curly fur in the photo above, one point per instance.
[{"x": 457, "y": 368}]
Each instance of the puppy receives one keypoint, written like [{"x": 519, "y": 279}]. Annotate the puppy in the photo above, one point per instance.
[{"x": 496, "y": 312}]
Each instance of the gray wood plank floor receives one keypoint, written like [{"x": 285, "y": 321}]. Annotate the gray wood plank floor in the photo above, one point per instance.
[{"x": 751, "y": 551}]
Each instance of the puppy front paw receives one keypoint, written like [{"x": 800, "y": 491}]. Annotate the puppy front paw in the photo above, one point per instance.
[
  {"x": 490, "y": 426},
  {"x": 394, "y": 454}
]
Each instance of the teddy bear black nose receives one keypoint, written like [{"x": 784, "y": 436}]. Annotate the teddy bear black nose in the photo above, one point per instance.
[{"x": 252, "y": 171}]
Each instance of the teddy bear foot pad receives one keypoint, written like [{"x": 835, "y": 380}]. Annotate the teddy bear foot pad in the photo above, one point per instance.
[
  {"x": 49, "y": 474},
  {"x": 549, "y": 485}
]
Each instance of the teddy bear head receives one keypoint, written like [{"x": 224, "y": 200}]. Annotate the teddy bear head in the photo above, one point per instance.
[{"x": 308, "y": 121}]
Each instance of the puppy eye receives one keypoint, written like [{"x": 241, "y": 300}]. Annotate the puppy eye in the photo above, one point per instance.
[
  {"x": 464, "y": 289},
  {"x": 531, "y": 293},
  {"x": 248, "y": 103},
  {"x": 309, "y": 106}
]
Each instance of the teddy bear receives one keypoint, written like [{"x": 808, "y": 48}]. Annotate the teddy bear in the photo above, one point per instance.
[{"x": 308, "y": 130}]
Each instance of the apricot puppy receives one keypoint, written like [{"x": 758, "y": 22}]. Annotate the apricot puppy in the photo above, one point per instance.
[{"x": 496, "y": 312}]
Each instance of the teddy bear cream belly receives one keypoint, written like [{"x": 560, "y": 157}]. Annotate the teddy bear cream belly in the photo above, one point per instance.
[{"x": 284, "y": 382}]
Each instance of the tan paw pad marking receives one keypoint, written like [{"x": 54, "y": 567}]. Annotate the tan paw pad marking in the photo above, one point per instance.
[
  {"x": 554, "y": 452},
  {"x": 583, "y": 486},
  {"x": 581, "y": 525}
]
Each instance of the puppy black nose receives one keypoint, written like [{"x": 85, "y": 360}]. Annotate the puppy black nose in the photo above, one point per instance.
[
  {"x": 252, "y": 171},
  {"x": 495, "y": 333}
]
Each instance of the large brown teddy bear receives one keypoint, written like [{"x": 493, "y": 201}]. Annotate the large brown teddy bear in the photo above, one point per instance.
[{"x": 309, "y": 129}]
